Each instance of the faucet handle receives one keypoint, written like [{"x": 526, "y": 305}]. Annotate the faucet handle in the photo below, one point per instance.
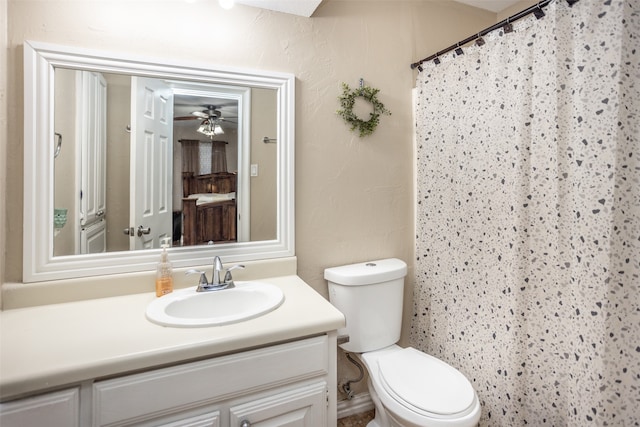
[
  {"x": 228, "y": 279},
  {"x": 203, "y": 277}
]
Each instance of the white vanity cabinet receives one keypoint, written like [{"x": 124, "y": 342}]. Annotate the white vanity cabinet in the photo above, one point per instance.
[
  {"x": 275, "y": 370},
  {"x": 58, "y": 409},
  {"x": 285, "y": 384}
]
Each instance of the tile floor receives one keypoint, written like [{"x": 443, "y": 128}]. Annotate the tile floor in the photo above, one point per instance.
[{"x": 357, "y": 420}]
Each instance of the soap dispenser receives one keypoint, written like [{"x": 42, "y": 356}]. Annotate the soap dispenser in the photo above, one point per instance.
[{"x": 164, "y": 277}]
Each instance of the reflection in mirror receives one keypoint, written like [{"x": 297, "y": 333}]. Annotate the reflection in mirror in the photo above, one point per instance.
[
  {"x": 137, "y": 151},
  {"x": 103, "y": 133}
]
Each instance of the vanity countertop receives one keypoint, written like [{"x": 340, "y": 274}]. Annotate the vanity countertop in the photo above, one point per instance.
[{"x": 50, "y": 346}]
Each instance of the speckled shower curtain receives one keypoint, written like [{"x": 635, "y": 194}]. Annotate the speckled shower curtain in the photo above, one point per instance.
[{"x": 528, "y": 217}]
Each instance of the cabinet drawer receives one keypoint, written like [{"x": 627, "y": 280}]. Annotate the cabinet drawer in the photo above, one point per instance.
[
  {"x": 151, "y": 394},
  {"x": 59, "y": 409}
]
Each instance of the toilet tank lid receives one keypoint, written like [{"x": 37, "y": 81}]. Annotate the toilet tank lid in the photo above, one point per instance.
[{"x": 366, "y": 273}]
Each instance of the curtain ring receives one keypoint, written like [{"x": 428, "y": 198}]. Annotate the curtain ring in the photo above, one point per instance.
[
  {"x": 538, "y": 12},
  {"x": 508, "y": 27}
]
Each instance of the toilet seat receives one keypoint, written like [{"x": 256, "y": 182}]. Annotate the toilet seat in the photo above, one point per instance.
[{"x": 425, "y": 385}]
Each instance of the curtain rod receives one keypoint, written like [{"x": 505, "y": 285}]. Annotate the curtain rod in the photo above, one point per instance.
[{"x": 535, "y": 9}]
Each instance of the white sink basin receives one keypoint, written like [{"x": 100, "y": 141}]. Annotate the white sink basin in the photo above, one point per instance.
[{"x": 187, "y": 308}]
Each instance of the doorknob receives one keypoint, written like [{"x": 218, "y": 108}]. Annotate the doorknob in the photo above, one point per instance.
[
  {"x": 142, "y": 230},
  {"x": 245, "y": 423},
  {"x": 129, "y": 231}
]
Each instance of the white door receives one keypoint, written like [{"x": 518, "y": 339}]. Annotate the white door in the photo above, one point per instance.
[
  {"x": 91, "y": 137},
  {"x": 151, "y": 162},
  {"x": 93, "y": 238}
]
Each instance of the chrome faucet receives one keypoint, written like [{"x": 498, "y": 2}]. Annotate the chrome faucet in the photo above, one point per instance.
[
  {"x": 216, "y": 284},
  {"x": 217, "y": 268}
]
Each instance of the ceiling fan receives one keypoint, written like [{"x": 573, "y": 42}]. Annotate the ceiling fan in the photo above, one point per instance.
[
  {"x": 211, "y": 118},
  {"x": 211, "y": 112}
]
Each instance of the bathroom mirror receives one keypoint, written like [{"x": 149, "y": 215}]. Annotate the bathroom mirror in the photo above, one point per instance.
[{"x": 71, "y": 93}]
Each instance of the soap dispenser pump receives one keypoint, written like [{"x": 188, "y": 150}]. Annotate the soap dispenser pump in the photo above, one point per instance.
[{"x": 164, "y": 276}]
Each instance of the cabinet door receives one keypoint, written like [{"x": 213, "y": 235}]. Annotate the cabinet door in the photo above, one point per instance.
[
  {"x": 210, "y": 222},
  {"x": 217, "y": 222},
  {"x": 304, "y": 406},
  {"x": 59, "y": 409},
  {"x": 211, "y": 419}
]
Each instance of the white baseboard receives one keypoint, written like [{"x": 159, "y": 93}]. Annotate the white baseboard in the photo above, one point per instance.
[{"x": 360, "y": 403}]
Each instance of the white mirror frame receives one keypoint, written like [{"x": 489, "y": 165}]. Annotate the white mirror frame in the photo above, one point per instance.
[{"x": 39, "y": 264}]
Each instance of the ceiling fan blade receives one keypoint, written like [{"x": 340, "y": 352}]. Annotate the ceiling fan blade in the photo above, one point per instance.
[
  {"x": 186, "y": 118},
  {"x": 200, "y": 114}
]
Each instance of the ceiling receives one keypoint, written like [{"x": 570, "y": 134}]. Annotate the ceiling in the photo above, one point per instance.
[
  {"x": 307, "y": 7},
  {"x": 296, "y": 7},
  {"x": 490, "y": 5}
]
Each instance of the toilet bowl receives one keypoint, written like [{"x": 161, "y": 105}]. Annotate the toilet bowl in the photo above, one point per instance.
[
  {"x": 409, "y": 388},
  {"x": 415, "y": 389}
]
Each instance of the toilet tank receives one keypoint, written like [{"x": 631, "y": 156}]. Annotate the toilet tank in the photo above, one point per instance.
[{"x": 370, "y": 296}]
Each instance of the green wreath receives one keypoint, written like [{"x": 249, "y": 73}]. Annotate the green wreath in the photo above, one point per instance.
[{"x": 347, "y": 101}]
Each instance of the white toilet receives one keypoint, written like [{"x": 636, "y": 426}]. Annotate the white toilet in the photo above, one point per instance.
[{"x": 408, "y": 387}]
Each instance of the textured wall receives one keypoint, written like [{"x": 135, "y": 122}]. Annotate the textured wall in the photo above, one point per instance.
[{"x": 354, "y": 197}]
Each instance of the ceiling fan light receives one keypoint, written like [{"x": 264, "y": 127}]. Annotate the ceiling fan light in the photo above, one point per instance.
[
  {"x": 206, "y": 132},
  {"x": 210, "y": 128},
  {"x": 206, "y": 128}
]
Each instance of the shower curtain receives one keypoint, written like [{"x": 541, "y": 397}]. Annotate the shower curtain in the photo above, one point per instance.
[{"x": 528, "y": 217}]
